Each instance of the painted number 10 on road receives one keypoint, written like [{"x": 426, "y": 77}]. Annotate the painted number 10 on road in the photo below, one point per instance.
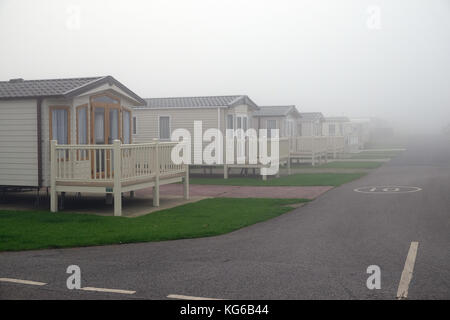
[{"x": 387, "y": 189}]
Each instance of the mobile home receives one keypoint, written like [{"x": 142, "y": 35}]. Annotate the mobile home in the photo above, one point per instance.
[
  {"x": 283, "y": 118},
  {"x": 75, "y": 135},
  {"x": 159, "y": 117}
]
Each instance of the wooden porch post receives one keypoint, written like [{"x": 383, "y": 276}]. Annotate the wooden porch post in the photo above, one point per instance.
[
  {"x": 186, "y": 183},
  {"x": 225, "y": 171},
  {"x": 117, "y": 177},
  {"x": 157, "y": 172},
  {"x": 53, "y": 193},
  {"x": 289, "y": 165}
]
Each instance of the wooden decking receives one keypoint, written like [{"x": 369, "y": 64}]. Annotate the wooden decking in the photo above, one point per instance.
[{"x": 114, "y": 169}]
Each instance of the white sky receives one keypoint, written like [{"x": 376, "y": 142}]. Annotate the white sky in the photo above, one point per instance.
[{"x": 319, "y": 55}]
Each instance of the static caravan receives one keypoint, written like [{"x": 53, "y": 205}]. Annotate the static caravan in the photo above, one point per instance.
[
  {"x": 309, "y": 145},
  {"x": 283, "y": 118},
  {"x": 361, "y": 128},
  {"x": 310, "y": 123},
  {"x": 344, "y": 126},
  {"x": 335, "y": 129},
  {"x": 75, "y": 135},
  {"x": 161, "y": 116}
]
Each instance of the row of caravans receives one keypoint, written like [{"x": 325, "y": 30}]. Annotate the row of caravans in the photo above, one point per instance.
[{"x": 96, "y": 135}]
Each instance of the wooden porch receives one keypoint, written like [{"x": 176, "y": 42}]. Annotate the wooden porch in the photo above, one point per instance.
[
  {"x": 335, "y": 145},
  {"x": 242, "y": 155},
  {"x": 114, "y": 169},
  {"x": 309, "y": 148}
]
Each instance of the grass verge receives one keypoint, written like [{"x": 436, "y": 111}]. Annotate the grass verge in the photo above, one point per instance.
[
  {"x": 342, "y": 165},
  {"x": 300, "y": 179},
  {"x": 26, "y": 230}
]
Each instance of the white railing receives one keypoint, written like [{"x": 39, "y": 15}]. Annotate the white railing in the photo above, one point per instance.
[
  {"x": 101, "y": 163},
  {"x": 335, "y": 144},
  {"x": 248, "y": 152},
  {"x": 308, "y": 144}
]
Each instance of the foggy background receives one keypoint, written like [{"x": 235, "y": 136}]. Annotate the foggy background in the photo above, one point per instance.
[{"x": 358, "y": 58}]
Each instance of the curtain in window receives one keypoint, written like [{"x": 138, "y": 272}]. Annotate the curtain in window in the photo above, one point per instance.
[
  {"x": 332, "y": 130},
  {"x": 164, "y": 128},
  {"x": 134, "y": 125},
  {"x": 126, "y": 127},
  {"x": 82, "y": 125},
  {"x": 271, "y": 124},
  {"x": 230, "y": 124},
  {"x": 60, "y": 126},
  {"x": 99, "y": 126},
  {"x": 114, "y": 124}
]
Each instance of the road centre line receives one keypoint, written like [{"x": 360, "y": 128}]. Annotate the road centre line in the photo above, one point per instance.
[
  {"x": 403, "y": 286},
  {"x": 108, "y": 290},
  {"x": 29, "y": 282},
  {"x": 182, "y": 297}
]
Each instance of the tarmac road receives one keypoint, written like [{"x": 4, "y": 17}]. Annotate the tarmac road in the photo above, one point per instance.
[{"x": 319, "y": 251}]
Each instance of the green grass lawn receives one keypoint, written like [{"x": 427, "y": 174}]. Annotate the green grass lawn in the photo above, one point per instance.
[
  {"x": 24, "y": 230},
  {"x": 300, "y": 179},
  {"x": 343, "y": 165},
  {"x": 375, "y": 154}
]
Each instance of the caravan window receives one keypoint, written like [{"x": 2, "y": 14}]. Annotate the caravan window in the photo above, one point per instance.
[
  {"x": 134, "y": 125},
  {"x": 82, "y": 124},
  {"x": 164, "y": 128},
  {"x": 332, "y": 130},
  {"x": 271, "y": 124},
  {"x": 59, "y": 124},
  {"x": 126, "y": 125},
  {"x": 230, "y": 124}
]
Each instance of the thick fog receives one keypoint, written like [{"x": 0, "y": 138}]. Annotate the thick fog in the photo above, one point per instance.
[{"x": 387, "y": 59}]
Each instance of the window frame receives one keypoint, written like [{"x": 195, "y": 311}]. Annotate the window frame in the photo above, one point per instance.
[
  {"x": 122, "y": 131},
  {"x": 51, "y": 109},
  {"x": 159, "y": 127},
  {"x": 134, "y": 125},
  {"x": 269, "y": 134},
  {"x": 78, "y": 121}
]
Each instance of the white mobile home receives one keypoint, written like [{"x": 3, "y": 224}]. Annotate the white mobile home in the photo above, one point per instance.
[
  {"x": 283, "y": 118},
  {"x": 334, "y": 126},
  {"x": 161, "y": 116},
  {"x": 336, "y": 131},
  {"x": 310, "y": 123},
  {"x": 74, "y": 135}
]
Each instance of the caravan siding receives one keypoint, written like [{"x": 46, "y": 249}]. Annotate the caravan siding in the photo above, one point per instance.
[
  {"x": 18, "y": 143},
  {"x": 148, "y": 121}
]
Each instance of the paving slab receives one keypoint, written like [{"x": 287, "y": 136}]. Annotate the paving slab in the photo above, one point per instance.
[{"x": 275, "y": 192}]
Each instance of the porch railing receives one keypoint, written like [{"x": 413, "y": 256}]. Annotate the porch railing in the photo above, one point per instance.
[
  {"x": 246, "y": 153},
  {"x": 335, "y": 144},
  {"x": 308, "y": 144},
  {"x": 105, "y": 163}
]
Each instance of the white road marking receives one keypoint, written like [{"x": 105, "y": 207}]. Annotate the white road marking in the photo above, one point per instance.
[
  {"x": 178, "y": 296},
  {"x": 387, "y": 189},
  {"x": 403, "y": 286},
  {"x": 108, "y": 290},
  {"x": 33, "y": 283}
]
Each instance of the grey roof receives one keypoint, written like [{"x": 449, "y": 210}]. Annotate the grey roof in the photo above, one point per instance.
[
  {"x": 337, "y": 119},
  {"x": 198, "y": 102},
  {"x": 311, "y": 116},
  {"x": 275, "y": 111},
  {"x": 61, "y": 88}
]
